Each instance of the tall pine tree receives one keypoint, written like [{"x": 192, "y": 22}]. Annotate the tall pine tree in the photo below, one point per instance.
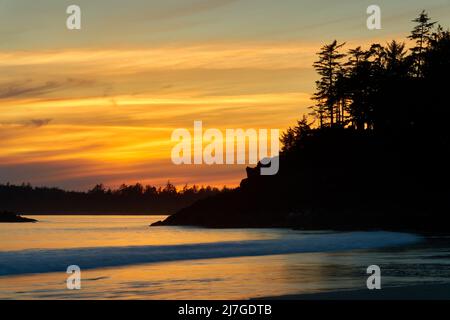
[
  {"x": 328, "y": 67},
  {"x": 422, "y": 35}
]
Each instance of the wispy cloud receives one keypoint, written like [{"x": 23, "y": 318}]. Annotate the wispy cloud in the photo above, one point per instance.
[
  {"x": 116, "y": 108},
  {"x": 106, "y": 99},
  {"x": 30, "y": 88},
  {"x": 26, "y": 89},
  {"x": 37, "y": 123},
  {"x": 270, "y": 55}
]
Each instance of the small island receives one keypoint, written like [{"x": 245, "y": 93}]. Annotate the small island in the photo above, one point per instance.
[{"x": 11, "y": 217}]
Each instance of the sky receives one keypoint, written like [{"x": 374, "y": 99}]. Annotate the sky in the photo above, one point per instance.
[{"x": 99, "y": 105}]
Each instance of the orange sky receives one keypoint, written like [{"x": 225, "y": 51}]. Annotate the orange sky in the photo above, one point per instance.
[
  {"x": 100, "y": 105},
  {"x": 109, "y": 114}
]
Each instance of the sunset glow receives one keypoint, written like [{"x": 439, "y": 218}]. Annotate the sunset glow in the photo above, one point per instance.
[{"x": 99, "y": 105}]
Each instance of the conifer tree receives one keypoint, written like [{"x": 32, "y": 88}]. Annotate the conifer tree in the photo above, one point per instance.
[
  {"x": 422, "y": 35},
  {"x": 328, "y": 67}
]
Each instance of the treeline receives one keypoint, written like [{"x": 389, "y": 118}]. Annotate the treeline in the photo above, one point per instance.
[
  {"x": 386, "y": 87},
  {"x": 127, "y": 199},
  {"x": 376, "y": 155}
]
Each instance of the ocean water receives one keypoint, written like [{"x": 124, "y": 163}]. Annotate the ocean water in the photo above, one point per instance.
[{"x": 122, "y": 258}]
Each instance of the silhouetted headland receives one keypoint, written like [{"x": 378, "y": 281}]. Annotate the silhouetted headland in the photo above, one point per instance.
[
  {"x": 376, "y": 156},
  {"x": 10, "y": 217}
]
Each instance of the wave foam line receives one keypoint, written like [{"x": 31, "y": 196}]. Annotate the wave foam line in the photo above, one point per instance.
[{"x": 57, "y": 260}]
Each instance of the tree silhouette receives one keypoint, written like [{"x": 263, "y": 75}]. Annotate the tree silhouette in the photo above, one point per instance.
[
  {"x": 395, "y": 55},
  {"x": 379, "y": 158},
  {"x": 422, "y": 35},
  {"x": 328, "y": 67},
  {"x": 359, "y": 87},
  {"x": 135, "y": 199},
  {"x": 290, "y": 139},
  {"x": 370, "y": 90}
]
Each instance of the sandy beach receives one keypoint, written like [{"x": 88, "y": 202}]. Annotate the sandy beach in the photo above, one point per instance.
[{"x": 420, "y": 292}]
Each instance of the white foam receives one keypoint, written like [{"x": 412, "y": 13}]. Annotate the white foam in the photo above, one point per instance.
[{"x": 57, "y": 260}]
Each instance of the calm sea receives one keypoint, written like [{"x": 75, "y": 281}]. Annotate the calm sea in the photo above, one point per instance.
[{"x": 123, "y": 258}]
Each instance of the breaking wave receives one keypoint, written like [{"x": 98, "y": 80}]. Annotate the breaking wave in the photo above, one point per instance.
[{"x": 57, "y": 260}]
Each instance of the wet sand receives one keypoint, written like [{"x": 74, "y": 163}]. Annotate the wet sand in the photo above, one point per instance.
[{"x": 420, "y": 292}]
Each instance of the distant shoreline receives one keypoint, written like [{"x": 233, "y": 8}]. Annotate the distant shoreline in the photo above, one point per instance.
[{"x": 96, "y": 214}]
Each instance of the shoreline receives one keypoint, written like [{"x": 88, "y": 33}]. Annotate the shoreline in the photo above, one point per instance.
[{"x": 413, "y": 292}]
